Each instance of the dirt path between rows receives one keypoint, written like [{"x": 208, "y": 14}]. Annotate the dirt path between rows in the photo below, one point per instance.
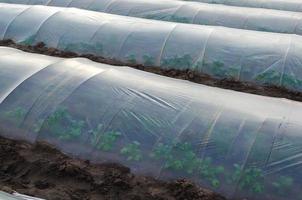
[
  {"x": 266, "y": 90},
  {"x": 42, "y": 171}
]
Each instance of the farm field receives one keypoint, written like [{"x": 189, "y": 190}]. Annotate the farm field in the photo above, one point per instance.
[{"x": 98, "y": 100}]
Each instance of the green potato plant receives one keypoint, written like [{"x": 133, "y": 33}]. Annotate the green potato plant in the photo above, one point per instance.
[
  {"x": 160, "y": 151},
  {"x": 179, "y": 19},
  {"x": 180, "y": 156},
  {"x": 104, "y": 140},
  {"x": 62, "y": 125},
  {"x": 219, "y": 69},
  {"x": 184, "y": 61},
  {"x": 251, "y": 179},
  {"x": 16, "y": 115},
  {"x": 148, "y": 60},
  {"x": 291, "y": 82},
  {"x": 131, "y": 59},
  {"x": 168, "y": 17},
  {"x": 96, "y": 48},
  {"x": 274, "y": 77},
  {"x": 29, "y": 41},
  {"x": 271, "y": 77},
  {"x": 132, "y": 151},
  {"x": 210, "y": 172}
]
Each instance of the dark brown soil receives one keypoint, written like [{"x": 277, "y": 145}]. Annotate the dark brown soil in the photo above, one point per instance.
[
  {"x": 265, "y": 90},
  {"x": 42, "y": 171}
]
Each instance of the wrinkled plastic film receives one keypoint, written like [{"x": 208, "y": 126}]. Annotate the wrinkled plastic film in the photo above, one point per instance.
[
  {"x": 294, "y": 5},
  {"x": 7, "y": 15},
  {"x": 11, "y": 79},
  {"x": 259, "y": 57},
  {"x": 23, "y": 30},
  {"x": 240, "y": 145},
  {"x": 191, "y": 12}
]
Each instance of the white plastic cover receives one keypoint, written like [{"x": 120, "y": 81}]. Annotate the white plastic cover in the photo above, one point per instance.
[
  {"x": 16, "y": 196},
  {"x": 190, "y": 12},
  {"x": 259, "y": 57},
  {"x": 290, "y": 5},
  {"x": 241, "y": 145}
]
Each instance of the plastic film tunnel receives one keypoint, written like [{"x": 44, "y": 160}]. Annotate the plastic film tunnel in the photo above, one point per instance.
[
  {"x": 251, "y": 56},
  {"x": 238, "y": 144},
  {"x": 191, "y": 12},
  {"x": 290, "y": 5}
]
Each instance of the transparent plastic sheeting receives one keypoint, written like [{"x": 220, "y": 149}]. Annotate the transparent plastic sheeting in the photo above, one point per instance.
[
  {"x": 252, "y": 56},
  {"x": 190, "y": 12},
  {"x": 287, "y": 5},
  {"x": 290, "y": 5},
  {"x": 240, "y": 145},
  {"x": 16, "y": 196}
]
